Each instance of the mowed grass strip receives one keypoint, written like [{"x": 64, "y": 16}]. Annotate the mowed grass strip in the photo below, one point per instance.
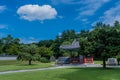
[
  {"x": 66, "y": 74},
  {"x": 8, "y": 65},
  {"x": 98, "y": 62}
]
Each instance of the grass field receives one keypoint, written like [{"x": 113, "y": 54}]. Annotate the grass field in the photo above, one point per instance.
[
  {"x": 66, "y": 74},
  {"x": 98, "y": 62},
  {"x": 18, "y": 65},
  {"x": 7, "y": 65}
]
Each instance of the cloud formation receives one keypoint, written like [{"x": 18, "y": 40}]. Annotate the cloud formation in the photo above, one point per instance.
[
  {"x": 28, "y": 40},
  {"x": 3, "y": 26},
  {"x": 56, "y": 2},
  {"x": 111, "y": 15},
  {"x": 2, "y": 8},
  {"x": 90, "y": 7},
  {"x": 36, "y": 12}
]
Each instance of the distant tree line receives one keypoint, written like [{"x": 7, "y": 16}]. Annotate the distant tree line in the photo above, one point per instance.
[{"x": 103, "y": 41}]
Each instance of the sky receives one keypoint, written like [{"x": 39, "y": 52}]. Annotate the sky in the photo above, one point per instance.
[{"x": 35, "y": 20}]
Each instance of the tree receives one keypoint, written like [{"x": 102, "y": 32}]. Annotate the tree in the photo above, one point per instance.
[
  {"x": 6, "y": 42},
  {"x": 29, "y": 53},
  {"x": 100, "y": 38},
  {"x": 105, "y": 40},
  {"x": 68, "y": 35},
  {"x": 1, "y": 46},
  {"x": 117, "y": 24},
  {"x": 45, "y": 52},
  {"x": 10, "y": 45},
  {"x": 13, "y": 47},
  {"x": 46, "y": 43},
  {"x": 118, "y": 59}
]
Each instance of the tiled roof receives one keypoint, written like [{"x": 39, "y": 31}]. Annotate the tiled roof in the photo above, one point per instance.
[{"x": 74, "y": 45}]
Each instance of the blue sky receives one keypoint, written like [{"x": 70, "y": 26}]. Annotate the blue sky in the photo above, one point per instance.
[{"x": 34, "y": 20}]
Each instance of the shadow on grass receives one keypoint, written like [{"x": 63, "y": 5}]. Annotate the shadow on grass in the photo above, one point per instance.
[
  {"x": 8, "y": 62},
  {"x": 94, "y": 68},
  {"x": 90, "y": 74},
  {"x": 17, "y": 63},
  {"x": 27, "y": 65}
]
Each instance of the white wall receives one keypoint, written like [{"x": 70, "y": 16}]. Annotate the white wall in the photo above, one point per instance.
[{"x": 8, "y": 58}]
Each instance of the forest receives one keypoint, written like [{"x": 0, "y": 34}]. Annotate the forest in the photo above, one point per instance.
[{"x": 102, "y": 41}]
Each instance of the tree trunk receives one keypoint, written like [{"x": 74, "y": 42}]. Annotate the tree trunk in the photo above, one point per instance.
[
  {"x": 30, "y": 62},
  {"x": 104, "y": 62},
  {"x": 118, "y": 62}
]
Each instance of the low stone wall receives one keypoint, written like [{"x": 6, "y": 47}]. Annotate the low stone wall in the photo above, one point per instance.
[{"x": 8, "y": 58}]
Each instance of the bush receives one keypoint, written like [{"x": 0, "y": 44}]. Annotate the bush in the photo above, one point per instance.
[
  {"x": 44, "y": 60},
  {"x": 118, "y": 59}
]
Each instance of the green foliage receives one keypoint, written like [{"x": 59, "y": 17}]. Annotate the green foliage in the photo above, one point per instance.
[
  {"x": 9, "y": 45},
  {"x": 105, "y": 39},
  {"x": 118, "y": 58},
  {"x": 44, "y": 60},
  {"x": 46, "y": 43},
  {"x": 45, "y": 52},
  {"x": 68, "y": 35},
  {"x": 102, "y": 41},
  {"x": 66, "y": 54},
  {"x": 66, "y": 42},
  {"x": 1, "y": 46},
  {"x": 29, "y": 53},
  {"x": 12, "y": 49}
]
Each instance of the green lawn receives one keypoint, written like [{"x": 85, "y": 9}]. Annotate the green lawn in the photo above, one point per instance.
[
  {"x": 18, "y": 65},
  {"x": 66, "y": 74},
  {"x": 97, "y": 61}
]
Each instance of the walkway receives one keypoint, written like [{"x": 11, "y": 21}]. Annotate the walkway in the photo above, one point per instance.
[
  {"x": 28, "y": 70},
  {"x": 57, "y": 67}
]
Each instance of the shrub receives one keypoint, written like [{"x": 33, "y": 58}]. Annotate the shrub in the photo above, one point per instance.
[
  {"x": 118, "y": 59},
  {"x": 44, "y": 60}
]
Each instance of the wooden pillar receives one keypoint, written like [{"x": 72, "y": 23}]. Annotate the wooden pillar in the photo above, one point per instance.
[
  {"x": 71, "y": 57},
  {"x": 78, "y": 59},
  {"x": 92, "y": 58},
  {"x": 84, "y": 59}
]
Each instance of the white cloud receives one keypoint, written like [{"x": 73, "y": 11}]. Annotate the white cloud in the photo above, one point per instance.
[
  {"x": 28, "y": 40},
  {"x": 2, "y": 8},
  {"x": 86, "y": 8},
  {"x": 61, "y": 17},
  {"x": 84, "y": 20},
  {"x": 3, "y": 26},
  {"x": 32, "y": 38},
  {"x": 90, "y": 7},
  {"x": 111, "y": 15},
  {"x": 36, "y": 12},
  {"x": 56, "y": 2}
]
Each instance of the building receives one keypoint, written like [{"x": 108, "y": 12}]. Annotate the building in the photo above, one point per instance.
[{"x": 81, "y": 59}]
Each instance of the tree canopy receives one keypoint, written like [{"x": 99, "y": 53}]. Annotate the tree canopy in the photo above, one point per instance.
[{"x": 102, "y": 41}]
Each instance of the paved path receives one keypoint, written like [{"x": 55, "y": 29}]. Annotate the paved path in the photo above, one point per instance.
[
  {"x": 57, "y": 67},
  {"x": 28, "y": 70}
]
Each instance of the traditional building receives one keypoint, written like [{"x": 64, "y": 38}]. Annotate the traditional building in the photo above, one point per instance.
[{"x": 80, "y": 58}]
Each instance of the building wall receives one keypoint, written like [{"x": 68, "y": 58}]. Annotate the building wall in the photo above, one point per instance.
[{"x": 8, "y": 58}]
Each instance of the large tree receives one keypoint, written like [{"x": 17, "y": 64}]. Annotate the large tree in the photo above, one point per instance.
[
  {"x": 105, "y": 41},
  {"x": 29, "y": 53}
]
